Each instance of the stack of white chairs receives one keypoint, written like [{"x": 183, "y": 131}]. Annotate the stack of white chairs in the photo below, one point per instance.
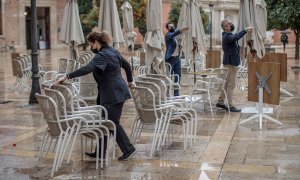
[
  {"x": 72, "y": 117},
  {"x": 182, "y": 113},
  {"x": 64, "y": 128},
  {"x": 21, "y": 67},
  {"x": 74, "y": 104},
  {"x": 183, "y": 102},
  {"x": 150, "y": 113}
]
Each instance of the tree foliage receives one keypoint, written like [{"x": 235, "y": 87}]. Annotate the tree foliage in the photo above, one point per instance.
[
  {"x": 175, "y": 12},
  {"x": 285, "y": 14},
  {"x": 89, "y": 15}
]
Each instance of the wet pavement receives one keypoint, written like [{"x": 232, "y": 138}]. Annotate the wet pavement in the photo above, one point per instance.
[{"x": 223, "y": 148}]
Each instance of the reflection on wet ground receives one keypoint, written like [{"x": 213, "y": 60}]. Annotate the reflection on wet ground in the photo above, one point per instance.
[{"x": 223, "y": 149}]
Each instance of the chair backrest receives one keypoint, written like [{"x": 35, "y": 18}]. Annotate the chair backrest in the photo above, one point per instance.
[
  {"x": 17, "y": 68},
  {"x": 142, "y": 70},
  {"x": 71, "y": 66},
  {"x": 50, "y": 113},
  {"x": 62, "y": 65},
  {"x": 168, "y": 82},
  {"x": 68, "y": 95},
  {"x": 160, "y": 83},
  {"x": 58, "y": 99},
  {"x": 83, "y": 59},
  {"x": 168, "y": 69},
  {"x": 153, "y": 87},
  {"x": 144, "y": 102},
  {"x": 88, "y": 87}
]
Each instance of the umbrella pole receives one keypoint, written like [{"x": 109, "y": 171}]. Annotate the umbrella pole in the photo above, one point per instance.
[
  {"x": 131, "y": 60},
  {"x": 194, "y": 60},
  {"x": 194, "y": 50}
]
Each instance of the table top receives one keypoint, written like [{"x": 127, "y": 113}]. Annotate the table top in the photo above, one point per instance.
[{"x": 205, "y": 73}]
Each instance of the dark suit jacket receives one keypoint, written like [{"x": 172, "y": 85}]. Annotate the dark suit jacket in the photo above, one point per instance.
[
  {"x": 106, "y": 68},
  {"x": 171, "y": 42},
  {"x": 231, "y": 48}
]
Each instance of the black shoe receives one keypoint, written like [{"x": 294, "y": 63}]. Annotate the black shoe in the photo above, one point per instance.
[
  {"x": 222, "y": 106},
  {"x": 93, "y": 155},
  {"x": 127, "y": 155},
  {"x": 233, "y": 109}
]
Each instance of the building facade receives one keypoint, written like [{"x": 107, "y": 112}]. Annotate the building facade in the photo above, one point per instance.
[{"x": 15, "y": 23}]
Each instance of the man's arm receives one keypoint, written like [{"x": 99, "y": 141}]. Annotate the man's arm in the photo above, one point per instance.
[
  {"x": 229, "y": 37},
  {"x": 90, "y": 67},
  {"x": 171, "y": 35},
  {"x": 126, "y": 66},
  {"x": 175, "y": 33}
]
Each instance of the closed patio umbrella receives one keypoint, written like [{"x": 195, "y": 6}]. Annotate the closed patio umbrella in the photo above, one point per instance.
[
  {"x": 253, "y": 13},
  {"x": 71, "y": 30},
  {"x": 109, "y": 21},
  {"x": 129, "y": 34},
  {"x": 154, "y": 41},
  {"x": 194, "y": 38},
  {"x": 128, "y": 26}
]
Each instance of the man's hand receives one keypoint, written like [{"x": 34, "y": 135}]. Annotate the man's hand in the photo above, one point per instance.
[
  {"x": 61, "y": 80},
  {"x": 130, "y": 84},
  {"x": 249, "y": 29},
  {"x": 184, "y": 29}
]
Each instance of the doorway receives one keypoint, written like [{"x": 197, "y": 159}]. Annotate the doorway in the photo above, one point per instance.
[{"x": 43, "y": 27}]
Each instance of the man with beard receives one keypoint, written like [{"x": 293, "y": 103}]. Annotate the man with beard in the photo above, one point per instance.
[
  {"x": 173, "y": 51},
  {"x": 231, "y": 60}
]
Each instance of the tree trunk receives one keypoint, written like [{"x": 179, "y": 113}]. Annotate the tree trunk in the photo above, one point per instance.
[{"x": 297, "y": 33}]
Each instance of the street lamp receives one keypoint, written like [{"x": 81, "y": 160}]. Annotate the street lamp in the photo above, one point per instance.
[
  {"x": 35, "y": 88},
  {"x": 211, "y": 5}
]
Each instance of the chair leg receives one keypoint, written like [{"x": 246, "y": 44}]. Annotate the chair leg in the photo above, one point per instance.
[
  {"x": 56, "y": 154},
  {"x": 42, "y": 146},
  {"x": 73, "y": 143},
  {"x": 81, "y": 146}
]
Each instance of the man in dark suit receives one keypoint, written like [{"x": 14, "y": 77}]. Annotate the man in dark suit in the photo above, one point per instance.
[
  {"x": 231, "y": 60},
  {"x": 112, "y": 89},
  {"x": 173, "y": 51}
]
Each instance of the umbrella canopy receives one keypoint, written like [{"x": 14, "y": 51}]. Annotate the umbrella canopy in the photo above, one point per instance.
[
  {"x": 109, "y": 21},
  {"x": 194, "y": 38},
  {"x": 71, "y": 30},
  {"x": 128, "y": 26},
  {"x": 154, "y": 41},
  {"x": 253, "y": 13}
]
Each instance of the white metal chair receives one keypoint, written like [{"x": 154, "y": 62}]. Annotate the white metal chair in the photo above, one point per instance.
[
  {"x": 183, "y": 106},
  {"x": 92, "y": 118},
  {"x": 150, "y": 113}
]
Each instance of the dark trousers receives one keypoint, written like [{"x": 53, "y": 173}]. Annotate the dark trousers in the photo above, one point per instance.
[
  {"x": 175, "y": 69},
  {"x": 114, "y": 114}
]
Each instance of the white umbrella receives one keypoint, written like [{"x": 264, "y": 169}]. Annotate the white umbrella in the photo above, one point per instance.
[
  {"x": 253, "y": 14},
  {"x": 154, "y": 41},
  {"x": 71, "y": 30},
  {"x": 109, "y": 21},
  {"x": 128, "y": 26},
  {"x": 194, "y": 38}
]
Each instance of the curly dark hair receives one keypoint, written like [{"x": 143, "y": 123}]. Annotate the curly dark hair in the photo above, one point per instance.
[
  {"x": 167, "y": 24},
  {"x": 102, "y": 37}
]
